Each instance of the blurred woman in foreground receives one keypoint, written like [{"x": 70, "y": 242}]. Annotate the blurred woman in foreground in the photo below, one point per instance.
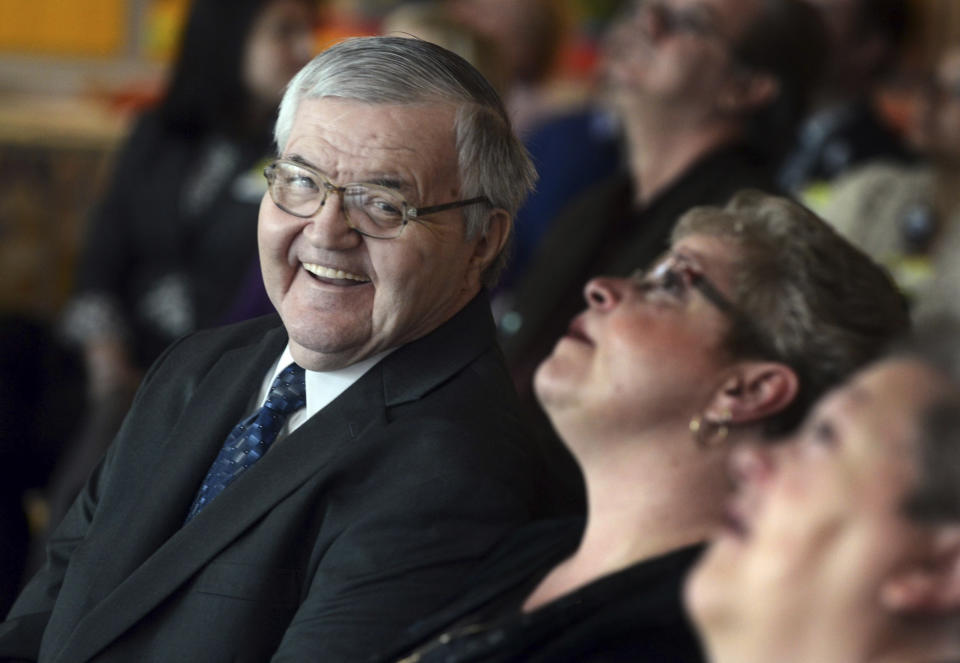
[
  {"x": 843, "y": 544},
  {"x": 756, "y": 309}
]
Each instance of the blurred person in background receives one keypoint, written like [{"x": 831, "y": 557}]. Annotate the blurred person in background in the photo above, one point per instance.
[
  {"x": 843, "y": 543},
  {"x": 529, "y": 36},
  {"x": 432, "y": 21},
  {"x": 756, "y": 310},
  {"x": 573, "y": 141},
  {"x": 844, "y": 129},
  {"x": 905, "y": 216},
  {"x": 703, "y": 89},
  {"x": 166, "y": 248}
]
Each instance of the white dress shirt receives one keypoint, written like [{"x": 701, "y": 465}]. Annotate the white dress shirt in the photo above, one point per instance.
[{"x": 322, "y": 386}]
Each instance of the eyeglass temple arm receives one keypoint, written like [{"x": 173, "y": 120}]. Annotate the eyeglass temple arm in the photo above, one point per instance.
[{"x": 414, "y": 212}]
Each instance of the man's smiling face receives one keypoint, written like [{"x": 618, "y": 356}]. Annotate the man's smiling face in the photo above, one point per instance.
[{"x": 343, "y": 296}]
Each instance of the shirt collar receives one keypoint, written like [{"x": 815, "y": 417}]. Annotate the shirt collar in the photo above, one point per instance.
[{"x": 322, "y": 386}]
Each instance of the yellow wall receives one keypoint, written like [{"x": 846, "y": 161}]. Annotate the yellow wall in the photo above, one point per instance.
[{"x": 63, "y": 27}]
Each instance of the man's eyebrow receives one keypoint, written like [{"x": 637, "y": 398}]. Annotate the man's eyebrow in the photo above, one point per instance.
[
  {"x": 296, "y": 158},
  {"x": 386, "y": 181}
]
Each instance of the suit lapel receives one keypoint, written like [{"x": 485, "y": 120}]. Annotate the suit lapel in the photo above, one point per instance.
[
  {"x": 406, "y": 374},
  {"x": 418, "y": 367},
  {"x": 155, "y": 515}
]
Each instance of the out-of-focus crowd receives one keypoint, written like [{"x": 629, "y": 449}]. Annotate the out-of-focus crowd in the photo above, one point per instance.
[{"x": 810, "y": 150}]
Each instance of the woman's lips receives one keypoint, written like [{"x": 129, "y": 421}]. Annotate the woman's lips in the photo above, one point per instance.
[{"x": 576, "y": 331}]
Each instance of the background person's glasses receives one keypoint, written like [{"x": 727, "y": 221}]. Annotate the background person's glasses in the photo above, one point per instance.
[
  {"x": 673, "y": 20},
  {"x": 371, "y": 210}
]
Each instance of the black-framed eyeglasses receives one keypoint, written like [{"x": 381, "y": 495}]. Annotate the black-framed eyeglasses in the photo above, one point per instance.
[
  {"x": 675, "y": 274},
  {"x": 370, "y": 209},
  {"x": 672, "y": 20}
]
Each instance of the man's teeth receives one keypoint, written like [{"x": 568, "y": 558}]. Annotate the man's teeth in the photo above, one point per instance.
[{"x": 328, "y": 273}]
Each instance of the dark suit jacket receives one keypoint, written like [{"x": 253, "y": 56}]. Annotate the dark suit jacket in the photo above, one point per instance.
[{"x": 356, "y": 524}]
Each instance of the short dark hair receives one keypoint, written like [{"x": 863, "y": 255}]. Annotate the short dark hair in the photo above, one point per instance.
[
  {"x": 891, "y": 20},
  {"x": 787, "y": 40},
  {"x": 823, "y": 307}
]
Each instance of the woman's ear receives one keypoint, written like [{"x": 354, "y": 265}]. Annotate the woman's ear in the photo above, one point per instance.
[
  {"x": 931, "y": 584},
  {"x": 755, "y": 390}
]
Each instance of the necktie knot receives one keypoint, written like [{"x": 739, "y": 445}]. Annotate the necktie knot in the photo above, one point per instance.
[{"x": 288, "y": 392}]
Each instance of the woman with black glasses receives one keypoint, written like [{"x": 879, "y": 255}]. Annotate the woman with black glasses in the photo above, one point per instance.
[{"x": 756, "y": 309}]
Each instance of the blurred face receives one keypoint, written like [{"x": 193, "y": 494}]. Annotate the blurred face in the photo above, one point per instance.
[
  {"x": 936, "y": 127},
  {"x": 816, "y": 524},
  {"x": 840, "y": 18},
  {"x": 343, "y": 296},
  {"x": 675, "y": 51},
  {"x": 279, "y": 45},
  {"x": 646, "y": 351},
  {"x": 515, "y": 27}
]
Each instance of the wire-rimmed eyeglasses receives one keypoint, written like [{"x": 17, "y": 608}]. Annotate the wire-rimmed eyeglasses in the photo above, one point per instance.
[{"x": 370, "y": 209}]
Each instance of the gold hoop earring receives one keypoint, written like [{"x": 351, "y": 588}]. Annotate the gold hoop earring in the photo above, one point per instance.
[{"x": 709, "y": 434}]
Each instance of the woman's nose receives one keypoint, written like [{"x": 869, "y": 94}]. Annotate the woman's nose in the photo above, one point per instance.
[{"x": 603, "y": 293}]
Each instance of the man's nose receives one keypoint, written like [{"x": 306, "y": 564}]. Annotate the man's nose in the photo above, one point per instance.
[{"x": 329, "y": 228}]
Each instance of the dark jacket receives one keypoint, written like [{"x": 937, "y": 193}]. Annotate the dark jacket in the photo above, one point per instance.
[
  {"x": 359, "y": 522},
  {"x": 631, "y": 616}
]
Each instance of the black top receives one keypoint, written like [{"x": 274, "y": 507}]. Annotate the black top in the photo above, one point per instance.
[
  {"x": 835, "y": 140},
  {"x": 167, "y": 246},
  {"x": 633, "y": 615}
]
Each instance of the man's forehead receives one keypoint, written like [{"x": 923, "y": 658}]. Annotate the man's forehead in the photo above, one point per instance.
[{"x": 385, "y": 133}]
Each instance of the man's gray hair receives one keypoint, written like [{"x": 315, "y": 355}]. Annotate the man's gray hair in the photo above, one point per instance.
[{"x": 492, "y": 161}]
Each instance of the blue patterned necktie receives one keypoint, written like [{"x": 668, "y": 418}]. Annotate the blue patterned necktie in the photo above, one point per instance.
[{"x": 251, "y": 438}]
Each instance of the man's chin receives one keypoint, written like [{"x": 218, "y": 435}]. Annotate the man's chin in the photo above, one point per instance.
[{"x": 323, "y": 352}]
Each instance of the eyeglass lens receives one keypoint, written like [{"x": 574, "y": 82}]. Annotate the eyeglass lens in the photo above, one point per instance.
[{"x": 373, "y": 210}]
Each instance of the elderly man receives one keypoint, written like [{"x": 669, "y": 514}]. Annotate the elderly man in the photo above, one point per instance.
[{"x": 389, "y": 466}]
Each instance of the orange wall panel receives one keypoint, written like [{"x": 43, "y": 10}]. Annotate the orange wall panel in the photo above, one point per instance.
[{"x": 63, "y": 27}]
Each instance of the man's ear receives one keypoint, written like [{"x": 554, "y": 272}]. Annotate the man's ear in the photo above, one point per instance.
[
  {"x": 931, "y": 584},
  {"x": 754, "y": 390},
  {"x": 491, "y": 243},
  {"x": 748, "y": 91}
]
